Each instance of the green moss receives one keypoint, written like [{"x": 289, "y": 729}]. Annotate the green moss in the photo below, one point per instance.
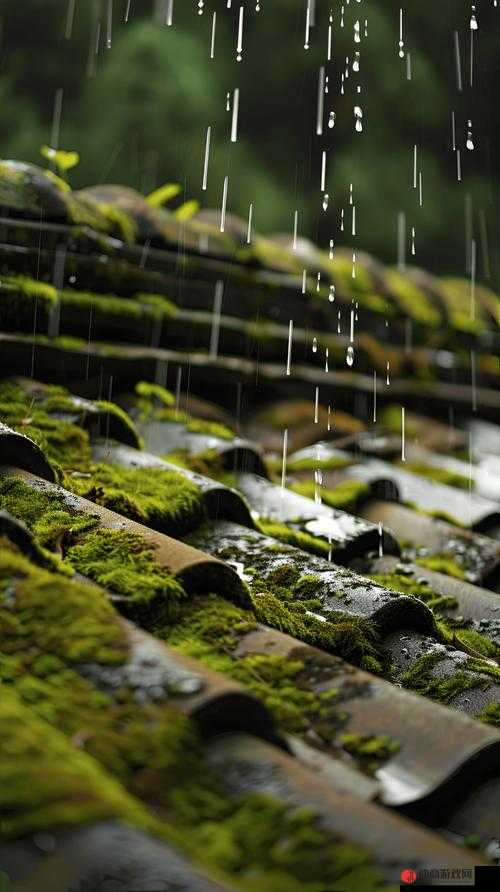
[
  {"x": 62, "y": 442},
  {"x": 333, "y": 463},
  {"x": 115, "y": 558},
  {"x": 490, "y": 715},
  {"x": 370, "y": 749},
  {"x": 109, "y": 305},
  {"x": 420, "y": 678},
  {"x": 411, "y": 299},
  {"x": 209, "y": 428},
  {"x": 160, "y": 304},
  {"x": 346, "y": 495},
  {"x": 351, "y": 638},
  {"x": 70, "y": 619},
  {"x": 210, "y": 630},
  {"x": 46, "y": 782},
  {"x": 440, "y": 475},
  {"x": 162, "y": 499},
  {"x": 442, "y": 563},
  {"x": 293, "y": 537},
  {"x": 118, "y": 413},
  {"x": 408, "y": 585},
  {"x": 153, "y": 396},
  {"x": 118, "y": 559}
]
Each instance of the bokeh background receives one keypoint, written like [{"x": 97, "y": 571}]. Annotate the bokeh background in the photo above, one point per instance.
[{"x": 137, "y": 112}]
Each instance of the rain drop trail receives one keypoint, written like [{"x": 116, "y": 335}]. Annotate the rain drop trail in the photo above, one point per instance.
[
  {"x": 234, "y": 120},
  {"x": 329, "y": 41},
  {"x": 56, "y": 118},
  {"x": 169, "y": 17},
  {"x": 109, "y": 25},
  {"x": 353, "y": 275},
  {"x": 178, "y": 390},
  {"x": 420, "y": 189},
  {"x": 295, "y": 225},
  {"x": 304, "y": 280},
  {"x": 483, "y": 230},
  {"x": 403, "y": 457},
  {"x": 401, "y": 42},
  {"x": 326, "y": 360},
  {"x": 387, "y": 379},
  {"x": 70, "y": 17},
  {"x": 249, "y": 228},
  {"x": 290, "y": 341},
  {"x": 127, "y": 11},
  {"x": 473, "y": 279},
  {"x": 216, "y": 314},
  {"x": 469, "y": 141},
  {"x": 414, "y": 167},
  {"x": 224, "y": 202},
  {"x": 353, "y": 229},
  {"x": 413, "y": 241},
  {"x": 207, "y": 155},
  {"x": 473, "y": 378},
  {"x": 323, "y": 170},
  {"x": 458, "y": 63},
  {"x": 318, "y": 281},
  {"x": 401, "y": 241},
  {"x": 328, "y": 419},
  {"x": 212, "y": 40},
  {"x": 453, "y": 132},
  {"x": 308, "y": 25},
  {"x": 239, "y": 45},
  {"x": 408, "y": 66},
  {"x": 316, "y": 405},
  {"x": 283, "y": 460},
  {"x": 375, "y": 397},
  {"x": 321, "y": 99},
  {"x": 459, "y": 167},
  {"x": 380, "y": 539}
]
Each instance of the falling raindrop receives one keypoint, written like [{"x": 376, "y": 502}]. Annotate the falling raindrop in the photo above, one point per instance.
[
  {"x": 318, "y": 281},
  {"x": 350, "y": 356},
  {"x": 469, "y": 142},
  {"x": 473, "y": 19},
  {"x": 228, "y": 101},
  {"x": 330, "y": 253},
  {"x": 326, "y": 199},
  {"x": 327, "y": 80},
  {"x": 316, "y": 406},
  {"x": 353, "y": 265},
  {"x": 413, "y": 241},
  {"x": 338, "y": 323},
  {"x": 342, "y": 17},
  {"x": 331, "y": 120},
  {"x": 239, "y": 45},
  {"x": 326, "y": 359},
  {"x": 331, "y": 294},
  {"x": 357, "y": 30},
  {"x": 328, "y": 419},
  {"x": 358, "y": 116},
  {"x": 315, "y": 345},
  {"x": 388, "y": 380},
  {"x": 290, "y": 341},
  {"x": 201, "y": 4},
  {"x": 342, "y": 220},
  {"x": 355, "y": 63},
  {"x": 401, "y": 42}
]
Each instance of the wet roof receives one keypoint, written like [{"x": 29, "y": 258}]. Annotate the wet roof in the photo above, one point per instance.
[{"x": 250, "y": 609}]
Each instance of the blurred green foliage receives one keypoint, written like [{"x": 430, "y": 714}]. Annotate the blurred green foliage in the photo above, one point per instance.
[{"x": 137, "y": 112}]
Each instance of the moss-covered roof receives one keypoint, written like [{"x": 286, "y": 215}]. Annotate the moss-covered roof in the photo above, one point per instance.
[{"x": 151, "y": 598}]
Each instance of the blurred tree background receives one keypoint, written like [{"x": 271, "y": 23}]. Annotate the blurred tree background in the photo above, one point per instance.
[{"x": 137, "y": 112}]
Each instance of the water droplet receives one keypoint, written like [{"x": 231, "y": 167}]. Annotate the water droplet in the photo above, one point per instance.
[
  {"x": 358, "y": 115},
  {"x": 331, "y": 294},
  {"x": 355, "y": 63},
  {"x": 350, "y": 355},
  {"x": 357, "y": 34},
  {"x": 318, "y": 280},
  {"x": 331, "y": 120},
  {"x": 469, "y": 141},
  {"x": 331, "y": 249},
  {"x": 388, "y": 380},
  {"x": 315, "y": 345},
  {"x": 201, "y": 4},
  {"x": 228, "y": 101},
  {"x": 326, "y": 199}
]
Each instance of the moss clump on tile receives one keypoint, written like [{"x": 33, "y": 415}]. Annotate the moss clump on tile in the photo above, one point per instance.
[
  {"x": 151, "y": 397},
  {"x": 59, "y": 616},
  {"x": 289, "y": 536},
  {"x": 119, "y": 560},
  {"x": 210, "y": 630},
  {"x": 420, "y": 677},
  {"x": 155, "y": 402},
  {"x": 46, "y": 782},
  {"x": 442, "y": 563},
  {"x": 333, "y": 463},
  {"x": 372, "y": 750},
  {"x": 346, "y": 495},
  {"x": 438, "y": 474},
  {"x": 165, "y": 500},
  {"x": 115, "y": 558},
  {"x": 411, "y": 299},
  {"x": 490, "y": 715},
  {"x": 355, "y": 640},
  {"x": 63, "y": 443},
  {"x": 408, "y": 585}
]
